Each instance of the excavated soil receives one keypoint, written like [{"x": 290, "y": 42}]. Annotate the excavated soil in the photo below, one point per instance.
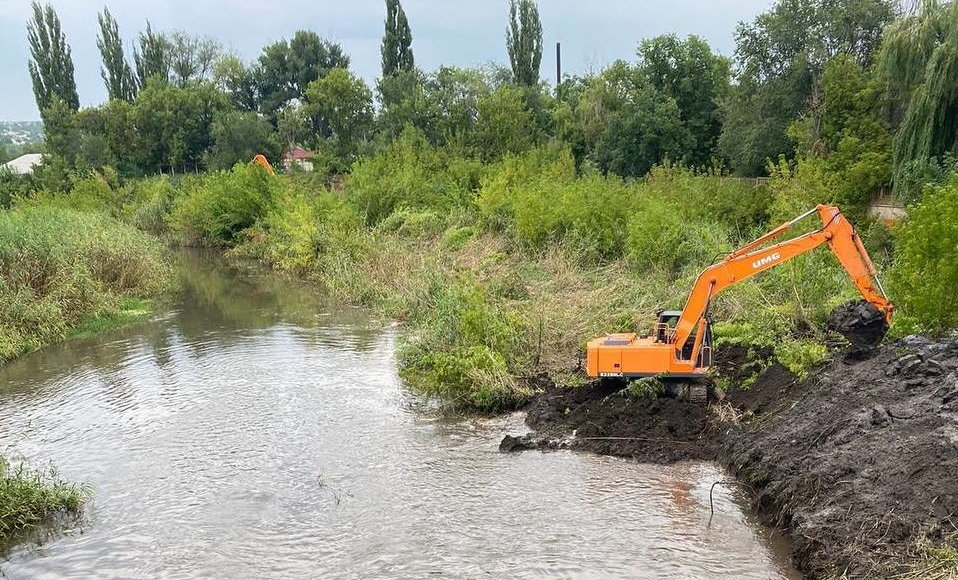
[{"x": 856, "y": 463}]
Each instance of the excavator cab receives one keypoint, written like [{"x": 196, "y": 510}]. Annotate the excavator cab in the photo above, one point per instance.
[{"x": 667, "y": 321}]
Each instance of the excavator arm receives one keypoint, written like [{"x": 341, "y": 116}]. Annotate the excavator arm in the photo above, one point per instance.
[{"x": 753, "y": 258}]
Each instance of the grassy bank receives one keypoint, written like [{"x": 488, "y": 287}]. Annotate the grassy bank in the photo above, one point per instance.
[
  {"x": 65, "y": 272},
  {"x": 30, "y": 497}
]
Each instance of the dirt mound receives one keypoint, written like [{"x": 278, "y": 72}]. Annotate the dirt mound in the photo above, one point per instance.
[
  {"x": 859, "y": 322},
  {"x": 603, "y": 418},
  {"x": 857, "y": 463},
  {"x": 862, "y": 462}
]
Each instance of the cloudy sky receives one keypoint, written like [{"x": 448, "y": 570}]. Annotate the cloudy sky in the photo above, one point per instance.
[{"x": 458, "y": 32}]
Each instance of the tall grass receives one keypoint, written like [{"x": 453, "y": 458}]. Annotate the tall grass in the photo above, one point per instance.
[
  {"x": 29, "y": 497},
  {"x": 60, "y": 267}
]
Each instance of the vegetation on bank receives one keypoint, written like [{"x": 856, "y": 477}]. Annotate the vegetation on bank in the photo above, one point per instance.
[
  {"x": 64, "y": 271},
  {"x": 503, "y": 270},
  {"x": 28, "y": 498}
]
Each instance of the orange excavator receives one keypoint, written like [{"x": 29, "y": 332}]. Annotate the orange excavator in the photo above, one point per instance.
[
  {"x": 680, "y": 345},
  {"x": 260, "y": 159}
]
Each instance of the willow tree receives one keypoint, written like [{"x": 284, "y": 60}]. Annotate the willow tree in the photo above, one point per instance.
[{"x": 919, "y": 61}]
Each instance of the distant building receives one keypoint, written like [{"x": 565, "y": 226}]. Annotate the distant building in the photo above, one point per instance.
[
  {"x": 299, "y": 158},
  {"x": 885, "y": 206},
  {"x": 24, "y": 164}
]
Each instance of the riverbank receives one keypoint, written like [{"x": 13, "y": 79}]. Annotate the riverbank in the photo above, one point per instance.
[
  {"x": 65, "y": 273},
  {"x": 856, "y": 462}
]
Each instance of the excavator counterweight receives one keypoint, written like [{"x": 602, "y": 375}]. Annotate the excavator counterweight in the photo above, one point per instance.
[{"x": 680, "y": 344}]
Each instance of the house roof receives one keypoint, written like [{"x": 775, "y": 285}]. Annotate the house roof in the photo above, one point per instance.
[
  {"x": 297, "y": 153},
  {"x": 24, "y": 164}
]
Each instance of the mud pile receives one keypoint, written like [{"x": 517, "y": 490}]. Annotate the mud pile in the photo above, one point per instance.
[
  {"x": 603, "y": 418},
  {"x": 857, "y": 463},
  {"x": 862, "y": 461}
]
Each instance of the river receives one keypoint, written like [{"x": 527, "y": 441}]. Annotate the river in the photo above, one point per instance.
[{"x": 253, "y": 430}]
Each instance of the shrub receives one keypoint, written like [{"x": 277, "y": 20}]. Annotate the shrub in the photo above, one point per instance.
[
  {"x": 537, "y": 198},
  {"x": 925, "y": 272},
  {"x": 59, "y": 266},
  {"x": 461, "y": 350},
  {"x": 214, "y": 208},
  {"x": 148, "y": 203},
  {"x": 410, "y": 173},
  {"x": 303, "y": 229},
  {"x": 660, "y": 236}
]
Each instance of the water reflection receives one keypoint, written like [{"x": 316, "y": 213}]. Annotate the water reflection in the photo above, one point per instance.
[{"x": 255, "y": 431}]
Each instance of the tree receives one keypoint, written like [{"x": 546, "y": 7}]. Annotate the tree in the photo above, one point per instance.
[
  {"x": 153, "y": 58},
  {"x": 696, "y": 79},
  {"x": 51, "y": 63},
  {"x": 845, "y": 148},
  {"x": 505, "y": 124},
  {"x": 238, "y": 136},
  {"x": 780, "y": 57},
  {"x": 233, "y": 78},
  {"x": 341, "y": 106},
  {"x": 524, "y": 41},
  {"x": 173, "y": 124},
  {"x": 918, "y": 61},
  {"x": 116, "y": 72},
  {"x": 454, "y": 95},
  {"x": 285, "y": 69},
  {"x": 192, "y": 57},
  {"x": 405, "y": 103},
  {"x": 397, "y": 41}
]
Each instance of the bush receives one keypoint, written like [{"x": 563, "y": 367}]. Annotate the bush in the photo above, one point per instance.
[
  {"x": 539, "y": 201},
  {"x": 462, "y": 349},
  {"x": 148, "y": 203},
  {"x": 302, "y": 230},
  {"x": 661, "y": 237},
  {"x": 214, "y": 208},
  {"x": 410, "y": 173},
  {"x": 59, "y": 266},
  {"x": 925, "y": 273}
]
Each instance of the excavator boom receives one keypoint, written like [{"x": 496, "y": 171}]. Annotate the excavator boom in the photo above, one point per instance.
[{"x": 683, "y": 349}]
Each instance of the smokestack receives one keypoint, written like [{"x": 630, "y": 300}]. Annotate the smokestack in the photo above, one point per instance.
[{"x": 558, "y": 63}]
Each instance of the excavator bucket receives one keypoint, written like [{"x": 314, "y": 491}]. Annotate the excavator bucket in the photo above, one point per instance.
[{"x": 859, "y": 322}]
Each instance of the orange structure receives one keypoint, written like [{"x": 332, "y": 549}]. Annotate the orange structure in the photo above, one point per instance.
[
  {"x": 260, "y": 160},
  {"x": 680, "y": 345}
]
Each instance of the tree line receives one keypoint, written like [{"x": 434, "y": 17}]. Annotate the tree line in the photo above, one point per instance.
[{"x": 855, "y": 94}]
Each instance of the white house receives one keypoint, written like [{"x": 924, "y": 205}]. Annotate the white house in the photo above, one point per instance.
[{"x": 24, "y": 164}]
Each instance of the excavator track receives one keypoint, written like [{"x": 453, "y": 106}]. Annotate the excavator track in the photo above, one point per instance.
[{"x": 699, "y": 393}]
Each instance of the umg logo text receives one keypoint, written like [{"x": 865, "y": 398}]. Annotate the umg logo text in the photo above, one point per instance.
[{"x": 766, "y": 260}]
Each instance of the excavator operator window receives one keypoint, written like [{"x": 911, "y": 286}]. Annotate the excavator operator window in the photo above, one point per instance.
[{"x": 667, "y": 321}]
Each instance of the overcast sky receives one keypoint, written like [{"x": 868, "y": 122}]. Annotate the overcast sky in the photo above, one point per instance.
[{"x": 456, "y": 32}]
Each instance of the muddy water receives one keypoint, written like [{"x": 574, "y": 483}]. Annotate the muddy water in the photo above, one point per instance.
[{"x": 254, "y": 431}]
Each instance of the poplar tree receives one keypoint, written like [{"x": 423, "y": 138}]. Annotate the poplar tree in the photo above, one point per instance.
[
  {"x": 397, "y": 41},
  {"x": 153, "y": 57},
  {"x": 116, "y": 72},
  {"x": 51, "y": 63},
  {"x": 524, "y": 41}
]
